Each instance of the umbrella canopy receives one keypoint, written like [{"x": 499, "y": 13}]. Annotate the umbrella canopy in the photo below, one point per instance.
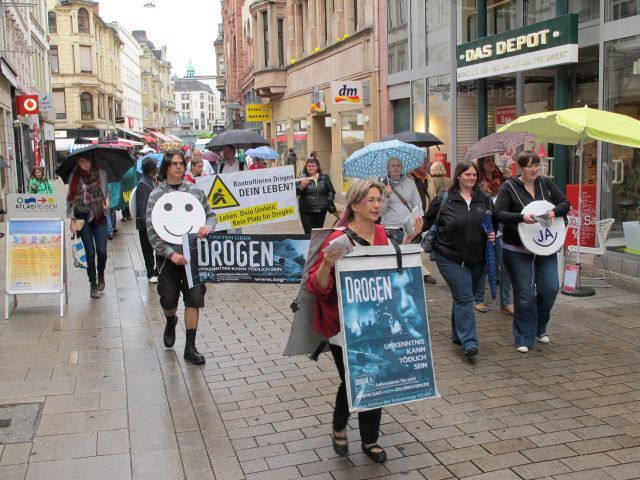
[
  {"x": 487, "y": 227},
  {"x": 497, "y": 143},
  {"x": 267, "y": 153},
  {"x": 156, "y": 156},
  {"x": 115, "y": 161},
  {"x": 210, "y": 156},
  {"x": 575, "y": 125},
  {"x": 371, "y": 161},
  {"x": 418, "y": 139},
  {"x": 238, "y": 139}
]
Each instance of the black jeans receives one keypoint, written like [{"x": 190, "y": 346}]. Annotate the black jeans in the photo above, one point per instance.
[
  {"x": 148, "y": 253},
  {"x": 311, "y": 220},
  {"x": 368, "y": 421}
]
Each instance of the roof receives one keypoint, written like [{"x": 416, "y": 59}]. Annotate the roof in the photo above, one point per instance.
[{"x": 190, "y": 85}]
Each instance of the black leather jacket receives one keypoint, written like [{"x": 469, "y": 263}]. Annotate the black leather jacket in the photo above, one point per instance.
[{"x": 316, "y": 196}]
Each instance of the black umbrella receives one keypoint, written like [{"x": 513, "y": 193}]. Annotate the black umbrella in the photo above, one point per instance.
[
  {"x": 418, "y": 139},
  {"x": 115, "y": 161},
  {"x": 238, "y": 139},
  {"x": 497, "y": 143}
]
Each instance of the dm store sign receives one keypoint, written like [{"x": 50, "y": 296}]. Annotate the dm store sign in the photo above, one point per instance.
[{"x": 346, "y": 93}]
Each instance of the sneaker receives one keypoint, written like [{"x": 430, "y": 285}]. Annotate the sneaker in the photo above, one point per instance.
[
  {"x": 153, "y": 279},
  {"x": 544, "y": 339},
  {"x": 508, "y": 310},
  {"x": 522, "y": 349},
  {"x": 429, "y": 279},
  {"x": 470, "y": 352},
  {"x": 482, "y": 308},
  {"x": 93, "y": 292}
]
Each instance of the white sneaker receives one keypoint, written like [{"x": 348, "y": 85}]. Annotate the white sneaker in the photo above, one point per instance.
[
  {"x": 522, "y": 349},
  {"x": 153, "y": 279},
  {"x": 544, "y": 339}
]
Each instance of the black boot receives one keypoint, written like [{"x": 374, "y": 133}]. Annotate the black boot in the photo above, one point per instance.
[
  {"x": 170, "y": 331},
  {"x": 191, "y": 353}
]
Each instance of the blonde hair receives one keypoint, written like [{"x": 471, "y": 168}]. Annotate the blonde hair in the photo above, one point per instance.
[
  {"x": 358, "y": 191},
  {"x": 437, "y": 168},
  {"x": 391, "y": 159}
]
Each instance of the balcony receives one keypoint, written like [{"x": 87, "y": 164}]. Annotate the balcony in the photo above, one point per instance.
[{"x": 270, "y": 82}]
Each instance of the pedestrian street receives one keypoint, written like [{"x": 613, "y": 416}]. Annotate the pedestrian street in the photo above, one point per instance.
[{"x": 95, "y": 395}]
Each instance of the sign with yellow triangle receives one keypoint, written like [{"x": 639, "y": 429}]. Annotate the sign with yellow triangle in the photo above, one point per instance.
[{"x": 220, "y": 196}]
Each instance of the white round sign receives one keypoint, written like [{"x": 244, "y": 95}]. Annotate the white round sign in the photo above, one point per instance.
[
  {"x": 30, "y": 105},
  {"x": 176, "y": 214},
  {"x": 132, "y": 203},
  {"x": 539, "y": 238}
]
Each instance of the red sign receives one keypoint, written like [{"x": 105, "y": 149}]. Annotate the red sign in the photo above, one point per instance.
[
  {"x": 36, "y": 145},
  {"x": 505, "y": 115},
  {"x": 586, "y": 218},
  {"x": 27, "y": 105}
]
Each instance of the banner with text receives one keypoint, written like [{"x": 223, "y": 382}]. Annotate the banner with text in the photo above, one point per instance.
[
  {"x": 250, "y": 197},
  {"x": 586, "y": 218},
  {"x": 239, "y": 258},
  {"x": 383, "y": 316}
]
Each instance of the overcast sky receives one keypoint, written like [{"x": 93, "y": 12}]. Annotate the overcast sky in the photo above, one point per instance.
[{"x": 187, "y": 27}]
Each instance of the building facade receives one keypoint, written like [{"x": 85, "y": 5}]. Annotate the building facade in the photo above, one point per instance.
[
  {"x": 85, "y": 65},
  {"x": 234, "y": 63},
  {"x": 429, "y": 86},
  {"x": 158, "y": 104},
  {"x": 131, "y": 120},
  {"x": 196, "y": 104}
]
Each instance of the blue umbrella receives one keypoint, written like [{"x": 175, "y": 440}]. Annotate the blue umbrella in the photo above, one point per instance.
[
  {"x": 263, "y": 152},
  {"x": 487, "y": 226},
  {"x": 156, "y": 156},
  {"x": 371, "y": 161}
]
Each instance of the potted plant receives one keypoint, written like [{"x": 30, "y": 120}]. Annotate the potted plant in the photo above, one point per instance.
[{"x": 629, "y": 190}]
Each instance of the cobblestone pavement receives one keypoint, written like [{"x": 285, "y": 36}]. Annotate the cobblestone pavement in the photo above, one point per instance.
[{"x": 118, "y": 405}]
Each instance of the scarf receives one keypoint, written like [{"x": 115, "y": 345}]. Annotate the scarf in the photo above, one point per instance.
[
  {"x": 85, "y": 195},
  {"x": 491, "y": 186}
]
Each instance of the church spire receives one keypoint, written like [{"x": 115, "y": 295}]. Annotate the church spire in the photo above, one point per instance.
[{"x": 190, "y": 70}]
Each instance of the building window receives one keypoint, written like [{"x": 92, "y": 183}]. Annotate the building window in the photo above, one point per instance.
[
  {"x": 281, "y": 42},
  {"x": 60, "y": 104},
  {"x": 83, "y": 21},
  {"x": 265, "y": 36},
  {"x": 202, "y": 105},
  {"x": 101, "y": 106},
  {"x": 110, "y": 106},
  {"x": 55, "y": 60},
  {"x": 201, "y": 96},
  {"x": 86, "y": 106},
  {"x": 617, "y": 9},
  {"x": 85, "y": 59},
  {"x": 397, "y": 35},
  {"x": 53, "y": 26}
]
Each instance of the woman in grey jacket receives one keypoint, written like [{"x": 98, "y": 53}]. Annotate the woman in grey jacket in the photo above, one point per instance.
[{"x": 400, "y": 198}]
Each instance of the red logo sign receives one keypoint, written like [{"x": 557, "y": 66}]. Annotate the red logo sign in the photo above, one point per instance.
[
  {"x": 27, "y": 104},
  {"x": 586, "y": 217}
]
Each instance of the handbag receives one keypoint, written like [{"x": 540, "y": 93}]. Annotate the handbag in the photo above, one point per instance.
[
  {"x": 79, "y": 253},
  {"x": 430, "y": 237}
]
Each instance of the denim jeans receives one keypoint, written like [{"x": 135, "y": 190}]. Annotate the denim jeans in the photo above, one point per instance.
[
  {"x": 94, "y": 239},
  {"x": 504, "y": 286},
  {"x": 463, "y": 281},
  {"x": 111, "y": 220},
  {"x": 535, "y": 287}
]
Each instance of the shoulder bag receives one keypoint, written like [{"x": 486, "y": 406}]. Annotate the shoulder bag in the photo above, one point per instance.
[{"x": 429, "y": 238}]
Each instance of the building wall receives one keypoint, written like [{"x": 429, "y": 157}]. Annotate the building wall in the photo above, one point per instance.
[{"x": 131, "y": 80}]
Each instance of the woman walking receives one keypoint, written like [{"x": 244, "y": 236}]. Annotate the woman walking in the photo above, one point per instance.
[
  {"x": 88, "y": 202},
  {"x": 360, "y": 215},
  {"x": 38, "y": 183},
  {"x": 534, "y": 277},
  {"x": 315, "y": 196},
  {"x": 400, "y": 198},
  {"x": 146, "y": 185},
  {"x": 439, "y": 175},
  {"x": 491, "y": 179},
  {"x": 459, "y": 248}
]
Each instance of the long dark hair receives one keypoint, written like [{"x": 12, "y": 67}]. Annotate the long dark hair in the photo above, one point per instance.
[
  {"x": 481, "y": 161},
  {"x": 33, "y": 174},
  {"x": 166, "y": 161},
  {"x": 312, "y": 160},
  {"x": 463, "y": 166}
]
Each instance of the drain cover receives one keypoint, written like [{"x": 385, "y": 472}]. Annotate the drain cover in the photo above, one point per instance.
[{"x": 18, "y": 422}]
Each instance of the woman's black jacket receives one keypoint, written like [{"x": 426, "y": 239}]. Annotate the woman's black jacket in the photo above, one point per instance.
[
  {"x": 513, "y": 197},
  {"x": 460, "y": 235},
  {"x": 316, "y": 196}
]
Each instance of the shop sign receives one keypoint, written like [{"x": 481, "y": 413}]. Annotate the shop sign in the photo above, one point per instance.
[
  {"x": 543, "y": 44},
  {"x": 585, "y": 218},
  {"x": 48, "y": 132},
  {"x": 317, "y": 101},
  {"x": 27, "y": 105},
  {"x": 46, "y": 102},
  {"x": 258, "y": 112},
  {"x": 34, "y": 206},
  {"x": 346, "y": 93}
]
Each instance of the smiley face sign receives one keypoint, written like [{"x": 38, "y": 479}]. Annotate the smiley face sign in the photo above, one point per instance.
[
  {"x": 538, "y": 238},
  {"x": 176, "y": 214}
]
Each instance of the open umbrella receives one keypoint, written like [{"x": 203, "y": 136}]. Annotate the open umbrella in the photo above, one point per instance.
[
  {"x": 371, "y": 161},
  {"x": 577, "y": 126},
  {"x": 238, "y": 139},
  {"x": 487, "y": 227},
  {"x": 156, "y": 156},
  {"x": 115, "y": 161},
  {"x": 419, "y": 139},
  {"x": 267, "y": 153},
  {"x": 211, "y": 157},
  {"x": 497, "y": 143}
]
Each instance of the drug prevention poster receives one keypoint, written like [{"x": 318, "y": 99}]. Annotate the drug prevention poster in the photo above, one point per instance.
[{"x": 387, "y": 349}]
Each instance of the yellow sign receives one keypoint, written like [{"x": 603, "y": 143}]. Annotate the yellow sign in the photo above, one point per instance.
[
  {"x": 255, "y": 214},
  {"x": 220, "y": 196},
  {"x": 258, "y": 112}
]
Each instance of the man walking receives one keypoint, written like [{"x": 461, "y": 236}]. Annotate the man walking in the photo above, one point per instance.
[{"x": 172, "y": 278}]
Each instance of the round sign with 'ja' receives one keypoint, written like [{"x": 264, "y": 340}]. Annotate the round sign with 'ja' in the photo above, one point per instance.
[
  {"x": 543, "y": 237},
  {"x": 176, "y": 214}
]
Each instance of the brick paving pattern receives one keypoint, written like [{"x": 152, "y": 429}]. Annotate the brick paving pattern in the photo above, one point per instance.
[{"x": 118, "y": 405}]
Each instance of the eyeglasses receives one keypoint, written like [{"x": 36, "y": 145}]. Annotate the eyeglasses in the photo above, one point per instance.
[{"x": 177, "y": 164}]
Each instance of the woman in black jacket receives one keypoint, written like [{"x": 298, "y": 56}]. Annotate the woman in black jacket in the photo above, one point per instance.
[
  {"x": 459, "y": 248},
  {"x": 146, "y": 185},
  {"x": 534, "y": 277},
  {"x": 315, "y": 196}
]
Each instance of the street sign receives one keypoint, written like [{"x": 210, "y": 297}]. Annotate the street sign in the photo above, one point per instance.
[
  {"x": 258, "y": 112},
  {"x": 46, "y": 102}
]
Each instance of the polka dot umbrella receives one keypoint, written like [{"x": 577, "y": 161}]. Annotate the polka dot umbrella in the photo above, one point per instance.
[{"x": 371, "y": 161}]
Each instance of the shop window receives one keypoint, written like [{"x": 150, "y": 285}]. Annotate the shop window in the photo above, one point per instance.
[
  {"x": 281, "y": 140},
  {"x": 419, "y": 105},
  {"x": 55, "y": 60},
  {"x": 351, "y": 139},
  {"x": 86, "y": 106},
  {"x": 300, "y": 143},
  {"x": 83, "y": 21},
  {"x": 438, "y": 98},
  {"x": 53, "y": 26},
  {"x": 617, "y": 9}
]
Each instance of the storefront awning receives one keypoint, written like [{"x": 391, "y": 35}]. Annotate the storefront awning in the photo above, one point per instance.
[
  {"x": 177, "y": 139},
  {"x": 131, "y": 132},
  {"x": 160, "y": 135},
  {"x": 149, "y": 139}
]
